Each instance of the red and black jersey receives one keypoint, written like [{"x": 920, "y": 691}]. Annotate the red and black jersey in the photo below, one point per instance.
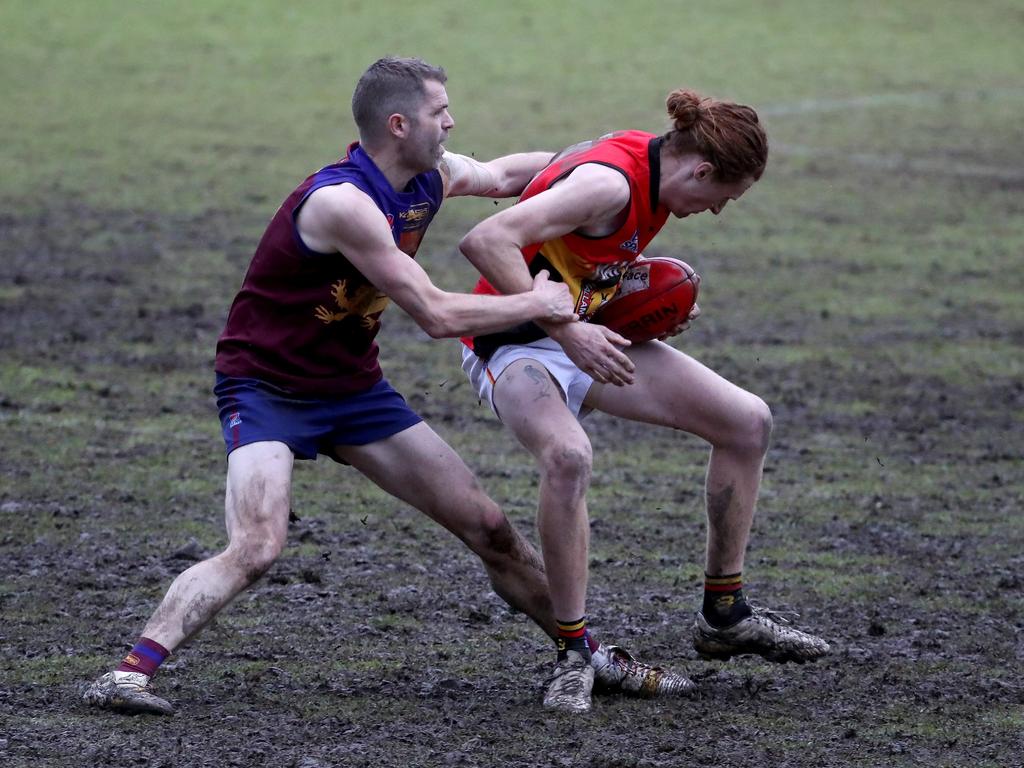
[
  {"x": 304, "y": 320},
  {"x": 592, "y": 267}
]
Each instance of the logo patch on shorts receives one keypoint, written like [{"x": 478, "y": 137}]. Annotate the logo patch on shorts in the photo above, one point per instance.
[{"x": 234, "y": 419}]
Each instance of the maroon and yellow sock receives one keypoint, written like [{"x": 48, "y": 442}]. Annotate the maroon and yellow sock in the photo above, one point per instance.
[
  {"x": 572, "y": 636},
  {"x": 724, "y": 601},
  {"x": 145, "y": 657}
]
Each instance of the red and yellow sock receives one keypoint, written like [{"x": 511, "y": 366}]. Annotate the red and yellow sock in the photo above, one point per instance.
[
  {"x": 572, "y": 636},
  {"x": 724, "y": 601}
]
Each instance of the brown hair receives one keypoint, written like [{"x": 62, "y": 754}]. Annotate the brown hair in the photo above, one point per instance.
[
  {"x": 725, "y": 134},
  {"x": 390, "y": 85}
]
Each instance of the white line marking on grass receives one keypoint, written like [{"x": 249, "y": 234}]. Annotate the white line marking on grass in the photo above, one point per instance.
[
  {"x": 897, "y": 162},
  {"x": 806, "y": 106}
]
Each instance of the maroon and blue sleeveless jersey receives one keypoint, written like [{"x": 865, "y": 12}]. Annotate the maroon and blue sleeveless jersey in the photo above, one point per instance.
[{"x": 306, "y": 321}]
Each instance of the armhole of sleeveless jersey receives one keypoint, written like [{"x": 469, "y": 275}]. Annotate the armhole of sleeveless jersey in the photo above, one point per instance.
[
  {"x": 306, "y": 250},
  {"x": 446, "y": 181},
  {"x": 442, "y": 186},
  {"x": 629, "y": 202},
  {"x": 654, "y": 164}
]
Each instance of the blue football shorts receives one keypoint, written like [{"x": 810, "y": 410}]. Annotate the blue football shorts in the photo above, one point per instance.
[{"x": 252, "y": 411}]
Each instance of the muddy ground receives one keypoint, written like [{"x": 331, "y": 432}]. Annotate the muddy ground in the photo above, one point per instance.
[{"x": 890, "y": 521}]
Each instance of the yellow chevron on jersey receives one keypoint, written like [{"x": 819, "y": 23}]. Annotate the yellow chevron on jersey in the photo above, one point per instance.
[
  {"x": 592, "y": 267},
  {"x": 590, "y": 284}
]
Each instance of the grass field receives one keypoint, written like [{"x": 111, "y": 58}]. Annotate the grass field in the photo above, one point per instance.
[{"x": 870, "y": 288}]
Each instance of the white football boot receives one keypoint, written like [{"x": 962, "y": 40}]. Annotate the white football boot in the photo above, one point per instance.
[
  {"x": 615, "y": 669},
  {"x": 126, "y": 692},
  {"x": 570, "y": 684},
  {"x": 763, "y": 633}
]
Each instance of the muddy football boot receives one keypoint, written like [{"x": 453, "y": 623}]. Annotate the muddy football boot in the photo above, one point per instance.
[
  {"x": 125, "y": 692},
  {"x": 616, "y": 670},
  {"x": 570, "y": 685},
  {"x": 763, "y": 633}
]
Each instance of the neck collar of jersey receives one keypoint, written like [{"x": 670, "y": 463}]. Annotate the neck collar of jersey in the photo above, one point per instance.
[{"x": 654, "y": 161}]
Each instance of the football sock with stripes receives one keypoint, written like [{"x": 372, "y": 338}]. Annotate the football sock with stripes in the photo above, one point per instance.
[
  {"x": 145, "y": 657},
  {"x": 724, "y": 602},
  {"x": 572, "y": 636}
]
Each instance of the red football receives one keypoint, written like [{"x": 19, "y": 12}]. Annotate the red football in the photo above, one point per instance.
[{"x": 654, "y": 296}]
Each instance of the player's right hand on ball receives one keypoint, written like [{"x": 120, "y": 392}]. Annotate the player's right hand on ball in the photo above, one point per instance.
[
  {"x": 557, "y": 300},
  {"x": 597, "y": 351},
  {"x": 694, "y": 314}
]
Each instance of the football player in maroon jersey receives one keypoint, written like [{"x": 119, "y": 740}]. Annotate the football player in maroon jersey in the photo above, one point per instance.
[{"x": 298, "y": 375}]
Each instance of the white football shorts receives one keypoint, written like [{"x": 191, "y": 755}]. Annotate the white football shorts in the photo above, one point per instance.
[{"x": 547, "y": 352}]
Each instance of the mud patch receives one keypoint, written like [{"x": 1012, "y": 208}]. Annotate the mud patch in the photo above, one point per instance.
[{"x": 889, "y": 519}]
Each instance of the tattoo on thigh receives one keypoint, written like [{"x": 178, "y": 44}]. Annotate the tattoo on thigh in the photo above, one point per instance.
[{"x": 542, "y": 380}]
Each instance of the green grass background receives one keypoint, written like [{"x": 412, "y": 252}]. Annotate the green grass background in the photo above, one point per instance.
[
  {"x": 191, "y": 105},
  {"x": 869, "y": 287}
]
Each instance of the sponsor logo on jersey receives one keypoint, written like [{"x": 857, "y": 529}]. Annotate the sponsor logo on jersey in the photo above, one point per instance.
[
  {"x": 415, "y": 217},
  {"x": 585, "y": 299},
  {"x": 636, "y": 278},
  {"x": 607, "y": 275},
  {"x": 234, "y": 419},
  {"x": 599, "y": 287},
  {"x": 633, "y": 244}
]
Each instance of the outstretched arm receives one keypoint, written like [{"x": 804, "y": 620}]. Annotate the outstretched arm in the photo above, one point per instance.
[
  {"x": 502, "y": 177},
  {"x": 344, "y": 219}
]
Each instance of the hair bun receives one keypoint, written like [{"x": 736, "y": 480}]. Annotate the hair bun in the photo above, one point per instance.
[
  {"x": 726, "y": 134},
  {"x": 685, "y": 107}
]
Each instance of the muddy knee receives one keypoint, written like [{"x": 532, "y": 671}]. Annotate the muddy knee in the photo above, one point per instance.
[
  {"x": 751, "y": 431},
  {"x": 567, "y": 464},
  {"x": 498, "y": 544},
  {"x": 490, "y": 535},
  {"x": 761, "y": 426},
  {"x": 252, "y": 556}
]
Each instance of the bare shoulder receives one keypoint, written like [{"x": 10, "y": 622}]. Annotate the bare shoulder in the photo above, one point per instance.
[
  {"x": 599, "y": 177},
  {"x": 596, "y": 191},
  {"x": 589, "y": 200},
  {"x": 337, "y": 200},
  {"x": 335, "y": 211},
  {"x": 606, "y": 187},
  {"x": 336, "y": 206}
]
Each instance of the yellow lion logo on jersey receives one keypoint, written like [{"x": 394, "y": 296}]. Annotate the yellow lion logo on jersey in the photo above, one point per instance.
[{"x": 365, "y": 302}]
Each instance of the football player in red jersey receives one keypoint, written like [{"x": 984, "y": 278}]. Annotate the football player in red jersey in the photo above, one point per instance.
[
  {"x": 585, "y": 218},
  {"x": 298, "y": 375}
]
